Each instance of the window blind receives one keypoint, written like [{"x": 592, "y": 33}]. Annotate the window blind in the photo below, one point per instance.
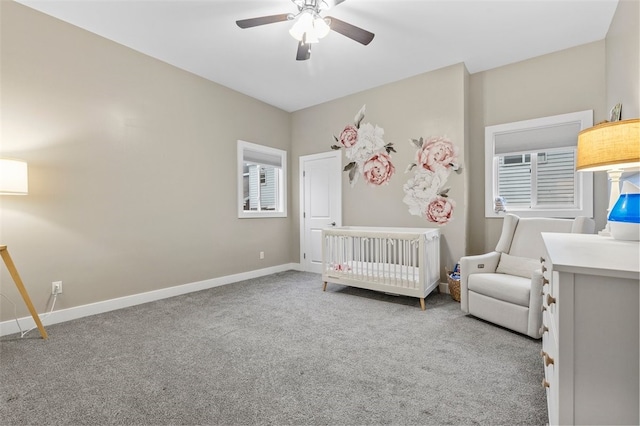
[
  {"x": 261, "y": 158},
  {"x": 538, "y": 139}
]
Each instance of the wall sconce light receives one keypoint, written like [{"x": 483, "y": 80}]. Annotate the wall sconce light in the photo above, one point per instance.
[
  {"x": 611, "y": 147},
  {"x": 13, "y": 177}
]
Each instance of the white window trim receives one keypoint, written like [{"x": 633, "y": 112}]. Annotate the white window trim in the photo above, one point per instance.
[
  {"x": 584, "y": 180},
  {"x": 282, "y": 212}
]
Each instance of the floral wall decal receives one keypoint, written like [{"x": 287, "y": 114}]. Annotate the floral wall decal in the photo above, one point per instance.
[
  {"x": 425, "y": 192},
  {"x": 367, "y": 152}
]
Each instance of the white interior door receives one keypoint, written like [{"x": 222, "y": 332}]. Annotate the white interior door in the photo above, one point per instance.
[{"x": 320, "y": 204}]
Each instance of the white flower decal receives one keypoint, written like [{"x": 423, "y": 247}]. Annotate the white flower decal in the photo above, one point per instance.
[
  {"x": 425, "y": 193},
  {"x": 366, "y": 151}
]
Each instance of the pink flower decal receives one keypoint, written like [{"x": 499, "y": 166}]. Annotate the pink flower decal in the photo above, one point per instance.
[
  {"x": 378, "y": 169},
  {"x": 349, "y": 136},
  {"x": 425, "y": 192},
  {"x": 437, "y": 152},
  {"x": 366, "y": 151},
  {"x": 440, "y": 210}
]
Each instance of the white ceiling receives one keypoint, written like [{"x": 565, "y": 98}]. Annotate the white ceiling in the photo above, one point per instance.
[{"x": 412, "y": 37}]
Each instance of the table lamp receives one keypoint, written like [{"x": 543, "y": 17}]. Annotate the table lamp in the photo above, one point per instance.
[{"x": 611, "y": 147}]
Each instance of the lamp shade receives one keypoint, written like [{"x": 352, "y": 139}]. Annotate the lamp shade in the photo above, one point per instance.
[
  {"x": 321, "y": 27},
  {"x": 13, "y": 177},
  {"x": 303, "y": 24},
  {"x": 607, "y": 146}
]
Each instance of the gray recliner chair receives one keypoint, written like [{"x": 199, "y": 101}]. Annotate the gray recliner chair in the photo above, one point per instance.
[{"x": 505, "y": 286}]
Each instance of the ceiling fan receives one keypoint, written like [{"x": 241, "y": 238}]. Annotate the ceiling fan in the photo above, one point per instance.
[{"x": 310, "y": 26}]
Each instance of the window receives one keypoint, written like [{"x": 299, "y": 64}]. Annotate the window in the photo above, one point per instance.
[
  {"x": 261, "y": 181},
  {"x": 515, "y": 159},
  {"x": 530, "y": 168},
  {"x": 538, "y": 179}
]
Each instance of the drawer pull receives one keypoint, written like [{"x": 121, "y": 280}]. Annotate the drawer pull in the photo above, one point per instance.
[
  {"x": 543, "y": 308},
  {"x": 550, "y": 300},
  {"x": 545, "y": 383},
  {"x": 543, "y": 329},
  {"x": 545, "y": 281},
  {"x": 542, "y": 259},
  {"x": 544, "y": 269},
  {"x": 547, "y": 359}
]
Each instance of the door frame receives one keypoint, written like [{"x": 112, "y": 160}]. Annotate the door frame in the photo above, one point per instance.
[{"x": 337, "y": 156}]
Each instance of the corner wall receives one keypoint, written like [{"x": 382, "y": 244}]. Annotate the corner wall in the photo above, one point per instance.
[
  {"x": 567, "y": 81},
  {"x": 623, "y": 59},
  {"x": 430, "y": 104},
  {"x": 132, "y": 168}
]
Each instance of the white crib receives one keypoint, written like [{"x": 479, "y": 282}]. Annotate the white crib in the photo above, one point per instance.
[{"x": 403, "y": 261}]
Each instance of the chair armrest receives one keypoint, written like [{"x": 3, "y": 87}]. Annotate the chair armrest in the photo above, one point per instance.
[
  {"x": 486, "y": 263},
  {"x": 482, "y": 263}
]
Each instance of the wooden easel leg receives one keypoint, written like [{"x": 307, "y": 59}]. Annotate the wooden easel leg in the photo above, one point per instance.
[
  {"x": 422, "y": 305},
  {"x": 324, "y": 286},
  {"x": 23, "y": 291}
]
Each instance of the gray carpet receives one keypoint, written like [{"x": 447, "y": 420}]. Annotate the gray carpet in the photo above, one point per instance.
[{"x": 274, "y": 350}]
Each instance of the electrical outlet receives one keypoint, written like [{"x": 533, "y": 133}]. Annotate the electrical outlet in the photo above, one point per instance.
[
  {"x": 261, "y": 255},
  {"x": 56, "y": 287}
]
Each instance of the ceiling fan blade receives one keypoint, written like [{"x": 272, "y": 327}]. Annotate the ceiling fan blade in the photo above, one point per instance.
[
  {"x": 304, "y": 51},
  {"x": 263, "y": 20},
  {"x": 351, "y": 31}
]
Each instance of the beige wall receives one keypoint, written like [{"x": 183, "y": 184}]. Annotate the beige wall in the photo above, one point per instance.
[
  {"x": 431, "y": 104},
  {"x": 623, "y": 59},
  {"x": 132, "y": 168},
  {"x": 594, "y": 76},
  {"x": 566, "y": 81}
]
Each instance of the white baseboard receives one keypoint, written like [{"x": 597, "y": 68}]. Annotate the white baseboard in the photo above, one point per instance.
[
  {"x": 55, "y": 317},
  {"x": 444, "y": 288}
]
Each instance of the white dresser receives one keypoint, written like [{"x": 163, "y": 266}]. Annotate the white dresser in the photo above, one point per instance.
[{"x": 590, "y": 341}]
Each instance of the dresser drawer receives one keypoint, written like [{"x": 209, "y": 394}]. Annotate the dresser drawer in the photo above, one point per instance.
[
  {"x": 549, "y": 296},
  {"x": 549, "y": 359},
  {"x": 549, "y": 350},
  {"x": 549, "y": 331},
  {"x": 552, "y": 302},
  {"x": 547, "y": 267}
]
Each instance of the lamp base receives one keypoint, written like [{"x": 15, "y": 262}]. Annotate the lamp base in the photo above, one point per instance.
[{"x": 624, "y": 230}]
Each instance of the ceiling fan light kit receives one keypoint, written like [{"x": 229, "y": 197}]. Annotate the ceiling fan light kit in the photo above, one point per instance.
[{"x": 309, "y": 26}]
